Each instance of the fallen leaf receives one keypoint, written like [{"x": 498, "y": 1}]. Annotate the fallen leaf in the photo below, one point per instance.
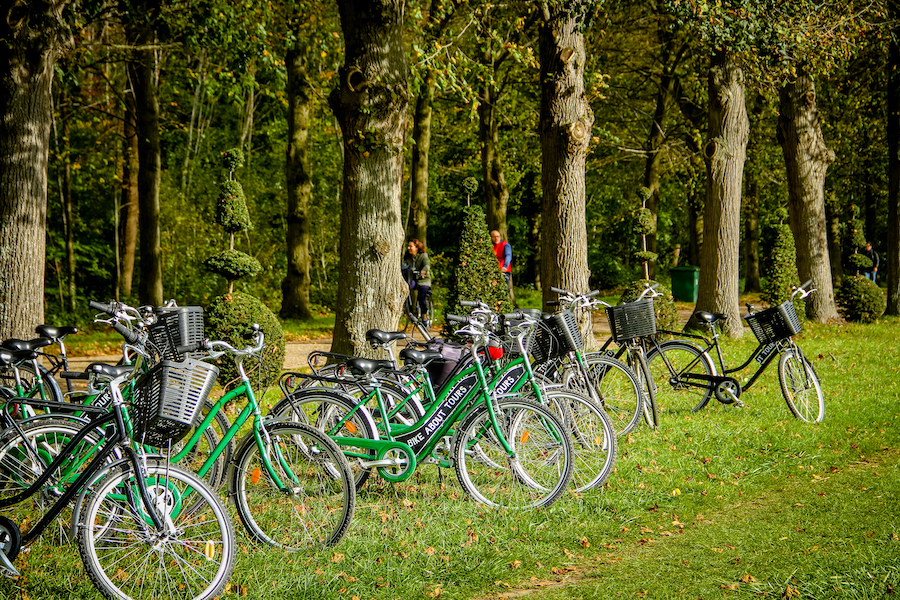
[{"x": 748, "y": 578}]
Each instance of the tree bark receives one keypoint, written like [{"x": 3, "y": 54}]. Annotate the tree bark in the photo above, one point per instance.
[
  {"x": 751, "y": 207},
  {"x": 891, "y": 255},
  {"x": 496, "y": 192},
  {"x": 807, "y": 159},
  {"x": 417, "y": 227},
  {"x": 725, "y": 152},
  {"x": 142, "y": 74},
  {"x": 128, "y": 209},
  {"x": 32, "y": 37},
  {"x": 370, "y": 104},
  {"x": 296, "y": 284},
  {"x": 68, "y": 210},
  {"x": 566, "y": 120}
]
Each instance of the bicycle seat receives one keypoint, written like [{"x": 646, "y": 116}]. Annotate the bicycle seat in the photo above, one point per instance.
[
  {"x": 366, "y": 366},
  {"x": 55, "y": 333},
  {"x": 420, "y": 357},
  {"x": 13, "y": 357},
  {"x": 710, "y": 318},
  {"x": 107, "y": 370},
  {"x": 384, "y": 337},
  {"x": 16, "y": 345}
]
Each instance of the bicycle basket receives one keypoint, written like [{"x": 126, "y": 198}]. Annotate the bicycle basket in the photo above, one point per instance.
[
  {"x": 168, "y": 398},
  {"x": 632, "y": 320},
  {"x": 556, "y": 335},
  {"x": 775, "y": 323},
  {"x": 177, "y": 326}
]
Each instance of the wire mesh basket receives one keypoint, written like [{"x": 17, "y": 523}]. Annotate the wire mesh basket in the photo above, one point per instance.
[
  {"x": 177, "y": 326},
  {"x": 775, "y": 323},
  {"x": 168, "y": 398},
  {"x": 556, "y": 335},
  {"x": 632, "y": 320}
]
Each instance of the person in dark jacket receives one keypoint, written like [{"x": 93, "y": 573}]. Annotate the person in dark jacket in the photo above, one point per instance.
[
  {"x": 419, "y": 272},
  {"x": 871, "y": 272}
]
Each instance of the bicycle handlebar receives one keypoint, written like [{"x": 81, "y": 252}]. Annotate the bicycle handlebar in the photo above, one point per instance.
[{"x": 258, "y": 337}]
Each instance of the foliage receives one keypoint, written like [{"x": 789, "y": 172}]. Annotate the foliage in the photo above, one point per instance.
[
  {"x": 645, "y": 256},
  {"x": 855, "y": 240},
  {"x": 859, "y": 299},
  {"x": 232, "y": 264},
  {"x": 475, "y": 274},
  {"x": 231, "y": 208},
  {"x": 781, "y": 274},
  {"x": 663, "y": 305},
  {"x": 228, "y": 318},
  {"x": 643, "y": 222}
]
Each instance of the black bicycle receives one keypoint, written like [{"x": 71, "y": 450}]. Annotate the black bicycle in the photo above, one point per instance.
[{"x": 685, "y": 375}]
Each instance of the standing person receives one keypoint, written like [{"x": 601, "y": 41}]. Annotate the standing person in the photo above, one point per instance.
[
  {"x": 871, "y": 272},
  {"x": 503, "y": 252},
  {"x": 419, "y": 274}
]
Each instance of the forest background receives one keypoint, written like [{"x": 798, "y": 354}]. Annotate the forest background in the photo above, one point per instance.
[{"x": 208, "y": 76}]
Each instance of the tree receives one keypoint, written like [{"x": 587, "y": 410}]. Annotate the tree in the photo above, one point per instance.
[
  {"x": 566, "y": 120},
  {"x": 370, "y": 103},
  {"x": 32, "y": 37},
  {"x": 892, "y": 253},
  {"x": 724, "y": 151},
  {"x": 807, "y": 159}
]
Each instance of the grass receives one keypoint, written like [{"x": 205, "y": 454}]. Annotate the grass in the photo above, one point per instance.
[{"x": 724, "y": 503}]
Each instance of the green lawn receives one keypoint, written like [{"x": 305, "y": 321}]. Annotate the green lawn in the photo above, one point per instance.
[{"x": 724, "y": 503}]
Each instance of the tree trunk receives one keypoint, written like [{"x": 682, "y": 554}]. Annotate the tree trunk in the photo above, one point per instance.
[
  {"x": 68, "y": 209},
  {"x": 32, "y": 36},
  {"x": 725, "y": 151},
  {"x": 835, "y": 251},
  {"x": 891, "y": 256},
  {"x": 370, "y": 103},
  {"x": 751, "y": 239},
  {"x": 142, "y": 74},
  {"x": 495, "y": 191},
  {"x": 128, "y": 210},
  {"x": 566, "y": 120},
  {"x": 807, "y": 159},
  {"x": 417, "y": 227},
  {"x": 295, "y": 286}
]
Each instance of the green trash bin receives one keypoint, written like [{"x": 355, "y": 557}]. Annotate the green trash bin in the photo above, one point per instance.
[{"x": 685, "y": 283}]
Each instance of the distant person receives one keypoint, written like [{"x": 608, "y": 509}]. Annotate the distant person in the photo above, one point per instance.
[
  {"x": 503, "y": 252},
  {"x": 419, "y": 272},
  {"x": 871, "y": 272}
]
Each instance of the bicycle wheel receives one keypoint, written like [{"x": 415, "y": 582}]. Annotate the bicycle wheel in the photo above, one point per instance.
[
  {"x": 617, "y": 389},
  {"x": 337, "y": 416},
  {"x": 126, "y": 556},
  {"x": 48, "y": 389},
  {"x": 536, "y": 469},
  {"x": 669, "y": 363},
  {"x": 25, "y": 456},
  {"x": 593, "y": 438},
  {"x": 203, "y": 449},
  {"x": 638, "y": 363},
  {"x": 800, "y": 386},
  {"x": 313, "y": 505}
]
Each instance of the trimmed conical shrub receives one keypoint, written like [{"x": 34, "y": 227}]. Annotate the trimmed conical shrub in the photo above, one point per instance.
[{"x": 781, "y": 275}]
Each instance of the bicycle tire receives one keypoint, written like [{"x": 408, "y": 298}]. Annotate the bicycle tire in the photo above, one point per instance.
[
  {"x": 618, "y": 391},
  {"x": 27, "y": 376},
  {"x": 800, "y": 386},
  {"x": 317, "y": 505},
  {"x": 324, "y": 410},
  {"x": 593, "y": 438},
  {"x": 541, "y": 469},
  {"x": 126, "y": 556},
  {"x": 638, "y": 363},
  {"x": 668, "y": 361}
]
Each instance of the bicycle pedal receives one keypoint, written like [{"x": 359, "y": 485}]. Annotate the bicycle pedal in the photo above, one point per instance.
[{"x": 738, "y": 403}]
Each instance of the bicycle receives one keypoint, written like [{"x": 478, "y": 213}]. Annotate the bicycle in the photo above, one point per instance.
[
  {"x": 144, "y": 527},
  {"x": 686, "y": 375},
  {"x": 421, "y": 323},
  {"x": 507, "y": 451}
]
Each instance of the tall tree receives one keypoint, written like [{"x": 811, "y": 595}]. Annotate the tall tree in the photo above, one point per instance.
[
  {"x": 128, "y": 204},
  {"x": 807, "y": 159},
  {"x": 142, "y": 75},
  {"x": 566, "y": 120},
  {"x": 370, "y": 103},
  {"x": 725, "y": 150},
  {"x": 296, "y": 283},
  {"x": 32, "y": 37},
  {"x": 892, "y": 253}
]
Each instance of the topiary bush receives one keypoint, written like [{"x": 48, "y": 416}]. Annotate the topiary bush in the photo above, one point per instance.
[
  {"x": 475, "y": 274},
  {"x": 664, "y": 305},
  {"x": 229, "y": 318},
  {"x": 859, "y": 299},
  {"x": 781, "y": 274}
]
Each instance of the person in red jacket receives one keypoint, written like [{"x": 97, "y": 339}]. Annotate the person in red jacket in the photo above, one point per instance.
[{"x": 503, "y": 252}]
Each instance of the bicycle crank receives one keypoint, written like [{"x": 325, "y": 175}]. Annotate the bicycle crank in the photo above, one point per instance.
[{"x": 728, "y": 391}]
